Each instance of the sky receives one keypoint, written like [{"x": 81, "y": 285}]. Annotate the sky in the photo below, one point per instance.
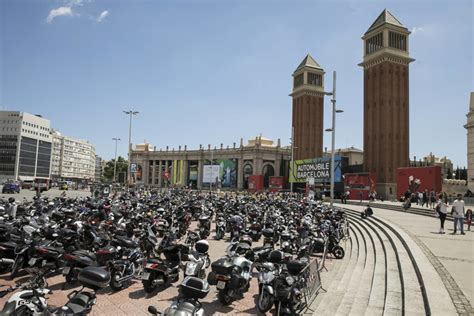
[{"x": 212, "y": 72}]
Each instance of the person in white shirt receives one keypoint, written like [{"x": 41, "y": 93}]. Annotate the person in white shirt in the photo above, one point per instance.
[
  {"x": 442, "y": 211},
  {"x": 458, "y": 213}
]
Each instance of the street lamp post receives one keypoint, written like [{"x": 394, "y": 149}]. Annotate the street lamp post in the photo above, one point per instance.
[
  {"x": 115, "y": 160},
  {"x": 292, "y": 156},
  {"x": 212, "y": 170},
  {"x": 131, "y": 113},
  {"x": 333, "y": 130}
]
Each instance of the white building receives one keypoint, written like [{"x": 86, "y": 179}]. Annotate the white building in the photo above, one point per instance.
[
  {"x": 72, "y": 159},
  {"x": 25, "y": 146},
  {"x": 99, "y": 170}
]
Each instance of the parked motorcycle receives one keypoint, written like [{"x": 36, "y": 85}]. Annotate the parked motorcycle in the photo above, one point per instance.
[
  {"x": 232, "y": 273},
  {"x": 159, "y": 272},
  {"x": 33, "y": 302},
  {"x": 198, "y": 261},
  {"x": 191, "y": 290},
  {"x": 129, "y": 266}
]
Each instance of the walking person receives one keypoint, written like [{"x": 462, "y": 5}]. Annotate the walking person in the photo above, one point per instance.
[
  {"x": 432, "y": 199},
  {"x": 469, "y": 219},
  {"x": 442, "y": 210},
  {"x": 458, "y": 213},
  {"x": 425, "y": 198}
]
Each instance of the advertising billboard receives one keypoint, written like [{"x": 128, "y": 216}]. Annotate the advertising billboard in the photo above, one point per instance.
[
  {"x": 211, "y": 173},
  {"x": 429, "y": 178},
  {"x": 318, "y": 169},
  {"x": 276, "y": 184},
  {"x": 360, "y": 185},
  {"x": 226, "y": 173},
  {"x": 255, "y": 183}
]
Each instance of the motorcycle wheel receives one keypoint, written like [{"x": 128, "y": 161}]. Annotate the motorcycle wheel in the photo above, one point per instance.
[
  {"x": 265, "y": 302},
  {"x": 148, "y": 285},
  {"x": 114, "y": 283},
  {"x": 219, "y": 235},
  {"x": 224, "y": 297},
  {"x": 17, "y": 265},
  {"x": 338, "y": 252},
  {"x": 70, "y": 278}
]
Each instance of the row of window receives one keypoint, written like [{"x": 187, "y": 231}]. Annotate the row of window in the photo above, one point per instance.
[
  {"x": 36, "y": 126},
  {"x": 395, "y": 40},
  {"x": 313, "y": 79}
]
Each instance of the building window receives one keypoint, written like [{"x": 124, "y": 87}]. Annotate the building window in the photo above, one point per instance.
[
  {"x": 374, "y": 43},
  {"x": 298, "y": 80},
  {"x": 315, "y": 79},
  {"x": 397, "y": 40}
]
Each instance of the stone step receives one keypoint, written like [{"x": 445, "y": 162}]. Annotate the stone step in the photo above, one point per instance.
[
  {"x": 359, "y": 299},
  {"x": 327, "y": 277},
  {"x": 413, "y": 296},
  {"x": 437, "y": 294},
  {"x": 335, "y": 291},
  {"x": 363, "y": 274}
]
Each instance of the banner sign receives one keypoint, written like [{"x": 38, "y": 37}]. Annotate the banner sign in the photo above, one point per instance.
[
  {"x": 210, "y": 173},
  {"x": 317, "y": 170}
]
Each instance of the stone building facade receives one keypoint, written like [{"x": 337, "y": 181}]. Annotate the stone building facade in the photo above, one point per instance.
[
  {"x": 183, "y": 167},
  {"x": 308, "y": 109},
  {"x": 386, "y": 100}
]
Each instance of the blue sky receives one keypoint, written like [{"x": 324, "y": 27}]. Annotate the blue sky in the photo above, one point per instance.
[{"x": 211, "y": 72}]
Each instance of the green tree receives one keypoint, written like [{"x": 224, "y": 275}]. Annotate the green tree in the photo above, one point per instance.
[{"x": 122, "y": 166}]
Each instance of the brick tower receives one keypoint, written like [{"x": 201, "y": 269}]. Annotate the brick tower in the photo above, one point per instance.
[
  {"x": 308, "y": 109},
  {"x": 386, "y": 100}
]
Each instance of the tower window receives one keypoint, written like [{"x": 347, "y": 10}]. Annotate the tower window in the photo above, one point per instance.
[
  {"x": 374, "y": 43},
  {"x": 298, "y": 80},
  {"x": 315, "y": 79},
  {"x": 397, "y": 40}
]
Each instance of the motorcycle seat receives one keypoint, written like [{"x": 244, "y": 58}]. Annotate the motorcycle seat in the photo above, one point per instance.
[
  {"x": 9, "y": 244},
  {"x": 85, "y": 253},
  {"x": 126, "y": 242},
  {"x": 54, "y": 249},
  {"x": 185, "y": 308}
]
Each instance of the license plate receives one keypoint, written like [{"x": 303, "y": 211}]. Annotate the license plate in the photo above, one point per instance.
[
  {"x": 145, "y": 275},
  {"x": 66, "y": 270},
  {"x": 32, "y": 262},
  {"x": 220, "y": 285}
]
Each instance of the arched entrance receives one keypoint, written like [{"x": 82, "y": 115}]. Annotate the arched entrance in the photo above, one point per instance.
[
  {"x": 268, "y": 171},
  {"x": 248, "y": 171}
]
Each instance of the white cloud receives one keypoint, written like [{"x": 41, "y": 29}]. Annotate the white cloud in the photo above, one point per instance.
[
  {"x": 417, "y": 30},
  {"x": 61, "y": 11},
  {"x": 102, "y": 16}
]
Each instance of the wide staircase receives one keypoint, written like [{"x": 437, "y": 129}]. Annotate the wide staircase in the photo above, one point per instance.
[{"x": 384, "y": 272}]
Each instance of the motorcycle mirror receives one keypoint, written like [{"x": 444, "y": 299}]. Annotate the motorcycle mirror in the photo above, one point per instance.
[{"x": 152, "y": 310}]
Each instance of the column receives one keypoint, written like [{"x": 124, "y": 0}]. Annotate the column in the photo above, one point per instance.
[
  {"x": 240, "y": 173},
  {"x": 186, "y": 172},
  {"x": 160, "y": 174},
  {"x": 153, "y": 172},
  {"x": 167, "y": 171},
  {"x": 146, "y": 171},
  {"x": 200, "y": 171},
  {"x": 277, "y": 166},
  {"x": 257, "y": 166}
]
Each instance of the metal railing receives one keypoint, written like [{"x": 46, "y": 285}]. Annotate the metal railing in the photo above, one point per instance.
[{"x": 310, "y": 282}]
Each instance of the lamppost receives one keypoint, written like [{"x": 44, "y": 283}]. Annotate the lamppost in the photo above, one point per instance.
[
  {"x": 212, "y": 169},
  {"x": 333, "y": 130},
  {"x": 292, "y": 156},
  {"x": 131, "y": 113},
  {"x": 115, "y": 160}
]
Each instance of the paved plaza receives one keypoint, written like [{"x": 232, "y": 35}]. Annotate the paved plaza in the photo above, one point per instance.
[{"x": 396, "y": 263}]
